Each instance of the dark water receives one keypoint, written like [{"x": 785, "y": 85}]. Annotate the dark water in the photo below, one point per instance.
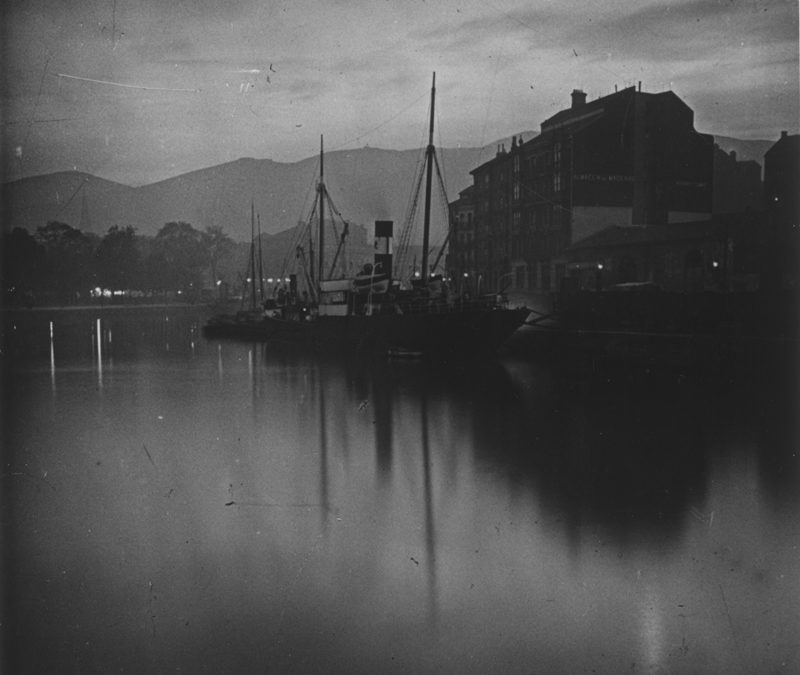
[{"x": 177, "y": 504}]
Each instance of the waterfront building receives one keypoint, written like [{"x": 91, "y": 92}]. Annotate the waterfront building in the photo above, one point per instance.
[
  {"x": 737, "y": 183},
  {"x": 782, "y": 197},
  {"x": 720, "y": 254},
  {"x": 627, "y": 159},
  {"x": 746, "y": 246},
  {"x": 462, "y": 268},
  {"x": 782, "y": 178}
]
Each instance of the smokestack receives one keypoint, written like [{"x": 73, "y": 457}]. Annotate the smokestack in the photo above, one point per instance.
[
  {"x": 578, "y": 98},
  {"x": 383, "y": 245}
]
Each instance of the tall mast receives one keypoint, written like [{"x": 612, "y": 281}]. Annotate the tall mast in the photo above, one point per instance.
[
  {"x": 310, "y": 265},
  {"x": 321, "y": 211},
  {"x": 429, "y": 159},
  {"x": 260, "y": 263},
  {"x": 253, "y": 254}
]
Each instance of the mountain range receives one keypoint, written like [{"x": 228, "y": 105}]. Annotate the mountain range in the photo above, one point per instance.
[{"x": 366, "y": 184}]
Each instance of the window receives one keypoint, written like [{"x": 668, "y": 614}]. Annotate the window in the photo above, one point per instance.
[{"x": 557, "y": 182}]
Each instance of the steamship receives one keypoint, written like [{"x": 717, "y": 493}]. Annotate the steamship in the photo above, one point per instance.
[{"x": 373, "y": 311}]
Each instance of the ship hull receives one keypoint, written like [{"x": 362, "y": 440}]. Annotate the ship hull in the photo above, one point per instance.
[{"x": 468, "y": 331}]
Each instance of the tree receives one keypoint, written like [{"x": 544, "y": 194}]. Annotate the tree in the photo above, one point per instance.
[
  {"x": 70, "y": 270},
  {"x": 118, "y": 259},
  {"x": 23, "y": 266},
  {"x": 218, "y": 245},
  {"x": 178, "y": 258}
]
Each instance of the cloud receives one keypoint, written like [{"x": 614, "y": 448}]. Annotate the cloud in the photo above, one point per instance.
[
  {"x": 760, "y": 112},
  {"x": 358, "y": 69},
  {"x": 688, "y": 31}
]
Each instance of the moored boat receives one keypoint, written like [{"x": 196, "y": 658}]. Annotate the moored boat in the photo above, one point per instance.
[{"x": 371, "y": 312}]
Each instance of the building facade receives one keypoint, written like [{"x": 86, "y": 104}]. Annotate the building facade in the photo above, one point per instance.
[
  {"x": 782, "y": 178},
  {"x": 629, "y": 158},
  {"x": 737, "y": 184},
  {"x": 462, "y": 268},
  {"x": 721, "y": 254},
  {"x": 782, "y": 200}
]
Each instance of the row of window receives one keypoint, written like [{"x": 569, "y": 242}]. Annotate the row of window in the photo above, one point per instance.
[
  {"x": 539, "y": 163},
  {"x": 537, "y": 190},
  {"x": 540, "y": 218}
]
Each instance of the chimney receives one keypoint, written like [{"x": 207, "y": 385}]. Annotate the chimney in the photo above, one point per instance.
[
  {"x": 784, "y": 134},
  {"x": 383, "y": 245},
  {"x": 578, "y": 98}
]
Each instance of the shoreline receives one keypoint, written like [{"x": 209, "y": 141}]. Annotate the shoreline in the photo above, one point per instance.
[{"x": 165, "y": 305}]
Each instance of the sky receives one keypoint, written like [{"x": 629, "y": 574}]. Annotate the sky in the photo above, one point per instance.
[{"x": 137, "y": 91}]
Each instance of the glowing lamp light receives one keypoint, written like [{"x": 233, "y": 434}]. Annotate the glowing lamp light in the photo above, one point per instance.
[
  {"x": 270, "y": 280},
  {"x": 219, "y": 282},
  {"x": 714, "y": 264},
  {"x": 466, "y": 274},
  {"x": 600, "y": 266}
]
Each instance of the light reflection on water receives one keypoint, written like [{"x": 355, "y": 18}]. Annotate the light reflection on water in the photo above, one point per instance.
[{"x": 224, "y": 507}]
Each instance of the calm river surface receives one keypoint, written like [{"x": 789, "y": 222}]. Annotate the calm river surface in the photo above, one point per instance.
[{"x": 178, "y": 504}]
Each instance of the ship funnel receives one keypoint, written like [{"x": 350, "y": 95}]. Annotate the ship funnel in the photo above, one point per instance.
[{"x": 383, "y": 245}]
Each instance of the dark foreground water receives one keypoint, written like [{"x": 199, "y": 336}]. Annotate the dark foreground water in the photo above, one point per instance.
[{"x": 176, "y": 504}]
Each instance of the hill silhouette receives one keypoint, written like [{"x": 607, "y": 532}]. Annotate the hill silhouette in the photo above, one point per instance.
[{"x": 365, "y": 184}]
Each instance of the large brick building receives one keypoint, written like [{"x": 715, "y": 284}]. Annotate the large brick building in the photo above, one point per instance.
[
  {"x": 782, "y": 180},
  {"x": 781, "y": 238},
  {"x": 737, "y": 184},
  {"x": 629, "y": 158}
]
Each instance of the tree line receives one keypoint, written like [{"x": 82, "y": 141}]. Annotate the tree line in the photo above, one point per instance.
[{"x": 61, "y": 264}]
